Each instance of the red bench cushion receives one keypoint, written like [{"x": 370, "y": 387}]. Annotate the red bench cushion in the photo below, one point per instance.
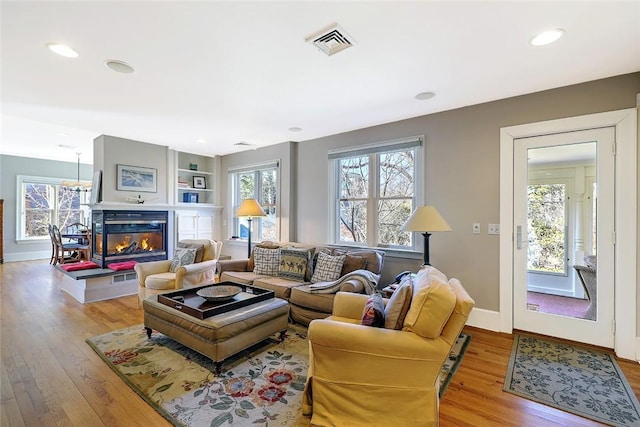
[
  {"x": 124, "y": 265},
  {"x": 82, "y": 265}
]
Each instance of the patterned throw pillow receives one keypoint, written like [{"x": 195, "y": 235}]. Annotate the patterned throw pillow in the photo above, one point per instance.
[
  {"x": 293, "y": 264},
  {"x": 328, "y": 268},
  {"x": 398, "y": 305},
  {"x": 199, "y": 249},
  {"x": 182, "y": 256},
  {"x": 267, "y": 261},
  {"x": 373, "y": 313}
]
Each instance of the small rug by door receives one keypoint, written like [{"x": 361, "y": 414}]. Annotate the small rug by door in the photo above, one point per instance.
[
  {"x": 580, "y": 380},
  {"x": 258, "y": 387}
]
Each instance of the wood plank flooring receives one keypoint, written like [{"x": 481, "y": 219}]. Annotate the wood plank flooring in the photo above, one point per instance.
[{"x": 51, "y": 377}]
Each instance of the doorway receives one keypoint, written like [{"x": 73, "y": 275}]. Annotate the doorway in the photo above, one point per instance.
[
  {"x": 624, "y": 123},
  {"x": 563, "y": 196}
]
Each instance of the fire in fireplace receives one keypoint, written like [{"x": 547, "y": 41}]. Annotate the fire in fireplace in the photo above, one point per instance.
[{"x": 129, "y": 235}]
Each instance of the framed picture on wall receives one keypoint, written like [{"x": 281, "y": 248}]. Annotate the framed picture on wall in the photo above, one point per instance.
[
  {"x": 199, "y": 182},
  {"x": 136, "y": 178}
]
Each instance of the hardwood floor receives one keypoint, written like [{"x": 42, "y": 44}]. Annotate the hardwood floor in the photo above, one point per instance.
[{"x": 51, "y": 377}]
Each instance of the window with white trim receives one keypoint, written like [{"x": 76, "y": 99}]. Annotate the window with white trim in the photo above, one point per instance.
[
  {"x": 258, "y": 182},
  {"x": 376, "y": 188},
  {"x": 43, "y": 201}
]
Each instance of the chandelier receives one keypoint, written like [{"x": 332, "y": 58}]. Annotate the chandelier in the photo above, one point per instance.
[{"x": 77, "y": 185}]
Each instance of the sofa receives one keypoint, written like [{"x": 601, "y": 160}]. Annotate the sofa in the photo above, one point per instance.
[
  {"x": 292, "y": 279},
  {"x": 385, "y": 375}
]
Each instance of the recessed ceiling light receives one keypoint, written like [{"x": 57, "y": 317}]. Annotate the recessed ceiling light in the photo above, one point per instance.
[
  {"x": 61, "y": 134},
  {"x": 201, "y": 141},
  {"x": 66, "y": 146},
  {"x": 119, "y": 66},
  {"x": 295, "y": 129},
  {"x": 62, "y": 50},
  {"x": 425, "y": 95},
  {"x": 546, "y": 37}
]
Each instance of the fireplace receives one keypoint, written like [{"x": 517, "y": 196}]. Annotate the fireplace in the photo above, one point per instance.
[{"x": 120, "y": 235}]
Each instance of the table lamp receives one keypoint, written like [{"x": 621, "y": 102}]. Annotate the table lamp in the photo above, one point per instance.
[
  {"x": 249, "y": 209},
  {"x": 426, "y": 219}
]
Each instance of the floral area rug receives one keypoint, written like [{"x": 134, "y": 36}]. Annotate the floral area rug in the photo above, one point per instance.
[
  {"x": 580, "y": 380},
  {"x": 261, "y": 386}
]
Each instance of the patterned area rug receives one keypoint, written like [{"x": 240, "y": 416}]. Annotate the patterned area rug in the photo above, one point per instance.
[
  {"x": 258, "y": 387},
  {"x": 579, "y": 380}
]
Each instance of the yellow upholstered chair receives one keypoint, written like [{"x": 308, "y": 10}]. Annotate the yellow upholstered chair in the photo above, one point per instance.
[
  {"x": 155, "y": 277},
  {"x": 362, "y": 375}
]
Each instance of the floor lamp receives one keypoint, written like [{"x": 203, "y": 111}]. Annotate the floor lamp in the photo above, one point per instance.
[
  {"x": 426, "y": 219},
  {"x": 249, "y": 209}
]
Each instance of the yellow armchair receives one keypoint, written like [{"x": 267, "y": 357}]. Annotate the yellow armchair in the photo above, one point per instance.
[
  {"x": 154, "y": 277},
  {"x": 361, "y": 375}
]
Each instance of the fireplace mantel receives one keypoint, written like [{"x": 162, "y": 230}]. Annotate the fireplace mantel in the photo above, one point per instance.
[{"x": 104, "y": 206}]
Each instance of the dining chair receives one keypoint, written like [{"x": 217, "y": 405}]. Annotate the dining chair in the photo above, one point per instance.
[
  {"x": 76, "y": 251},
  {"x": 53, "y": 244}
]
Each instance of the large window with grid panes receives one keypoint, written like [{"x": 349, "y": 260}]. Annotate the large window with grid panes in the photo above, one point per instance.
[
  {"x": 375, "y": 188},
  {"x": 258, "y": 182},
  {"x": 43, "y": 201}
]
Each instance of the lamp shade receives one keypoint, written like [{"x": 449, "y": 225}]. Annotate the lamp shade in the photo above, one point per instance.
[
  {"x": 250, "y": 208},
  {"x": 426, "y": 219}
]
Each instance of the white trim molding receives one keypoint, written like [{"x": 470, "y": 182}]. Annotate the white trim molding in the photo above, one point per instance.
[{"x": 625, "y": 124}]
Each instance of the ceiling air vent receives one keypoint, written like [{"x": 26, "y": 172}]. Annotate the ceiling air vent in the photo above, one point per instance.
[{"x": 331, "y": 39}]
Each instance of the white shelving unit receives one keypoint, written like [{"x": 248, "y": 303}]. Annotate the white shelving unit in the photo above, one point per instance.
[{"x": 195, "y": 180}]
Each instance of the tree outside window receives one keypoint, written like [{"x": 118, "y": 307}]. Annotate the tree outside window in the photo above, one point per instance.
[
  {"x": 546, "y": 250},
  {"x": 262, "y": 185},
  {"x": 376, "y": 195},
  {"x": 45, "y": 201}
]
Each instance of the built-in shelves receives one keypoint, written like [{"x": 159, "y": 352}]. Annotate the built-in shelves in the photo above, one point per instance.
[{"x": 195, "y": 179}]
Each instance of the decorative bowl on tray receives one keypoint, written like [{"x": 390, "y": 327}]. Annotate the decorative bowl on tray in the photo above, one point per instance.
[{"x": 219, "y": 293}]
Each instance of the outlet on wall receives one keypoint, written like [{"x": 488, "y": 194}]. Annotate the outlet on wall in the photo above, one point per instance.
[
  {"x": 476, "y": 228},
  {"x": 493, "y": 229}
]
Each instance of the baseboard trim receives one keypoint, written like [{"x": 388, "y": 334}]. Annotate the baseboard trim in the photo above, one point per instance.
[{"x": 484, "y": 319}]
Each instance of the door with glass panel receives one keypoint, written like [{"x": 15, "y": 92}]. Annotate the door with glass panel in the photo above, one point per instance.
[{"x": 564, "y": 235}]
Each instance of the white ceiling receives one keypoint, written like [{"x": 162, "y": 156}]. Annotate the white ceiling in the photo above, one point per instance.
[{"x": 241, "y": 71}]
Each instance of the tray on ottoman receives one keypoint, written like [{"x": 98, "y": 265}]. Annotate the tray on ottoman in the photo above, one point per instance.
[{"x": 189, "y": 302}]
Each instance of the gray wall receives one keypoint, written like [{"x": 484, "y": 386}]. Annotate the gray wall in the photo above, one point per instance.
[
  {"x": 462, "y": 173},
  {"x": 110, "y": 151},
  {"x": 10, "y": 168}
]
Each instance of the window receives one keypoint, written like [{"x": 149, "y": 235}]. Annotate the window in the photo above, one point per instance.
[
  {"x": 44, "y": 201},
  {"x": 260, "y": 183},
  {"x": 376, "y": 189},
  {"x": 547, "y": 213}
]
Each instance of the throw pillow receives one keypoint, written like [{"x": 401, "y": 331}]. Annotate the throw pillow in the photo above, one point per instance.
[
  {"x": 399, "y": 303},
  {"x": 267, "y": 261},
  {"x": 432, "y": 303},
  {"x": 268, "y": 244},
  {"x": 199, "y": 250},
  {"x": 328, "y": 268},
  {"x": 293, "y": 264},
  {"x": 353, "y": 263},
  {"x": 182, "y": 256},
  {"x": 373, "y": 313}
]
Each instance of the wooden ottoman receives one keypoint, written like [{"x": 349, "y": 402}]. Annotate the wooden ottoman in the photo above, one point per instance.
[{"x": 221, "y": 335}]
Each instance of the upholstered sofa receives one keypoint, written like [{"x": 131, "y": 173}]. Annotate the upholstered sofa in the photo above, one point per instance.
[
  {"x": 365, "y": 375},
  {"x": 307, "y": 300}
]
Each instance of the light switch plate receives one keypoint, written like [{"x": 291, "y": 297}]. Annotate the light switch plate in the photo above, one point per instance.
[
  {"x": 476, "y": 228},
  {"x": 493, "y": 229}
]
